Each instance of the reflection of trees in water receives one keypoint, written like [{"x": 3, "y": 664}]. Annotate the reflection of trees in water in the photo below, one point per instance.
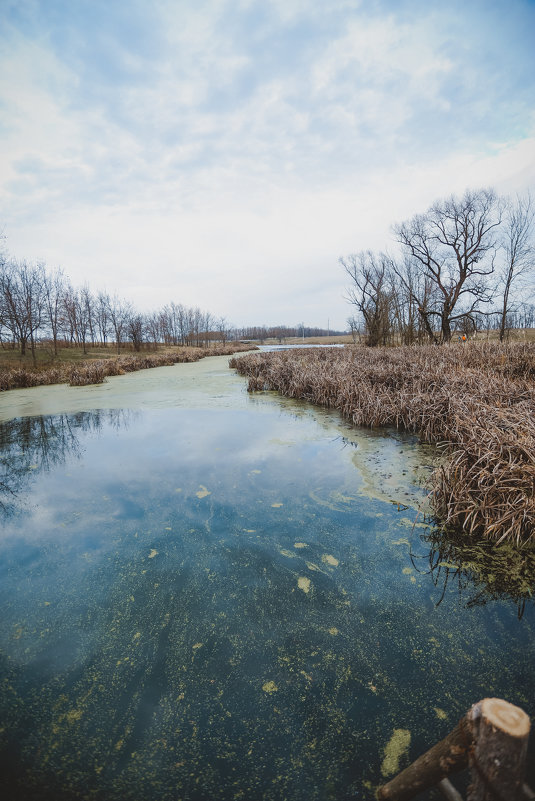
[
  {"x": 482, "y": 571},
  {"x": 29, "y": 445}
]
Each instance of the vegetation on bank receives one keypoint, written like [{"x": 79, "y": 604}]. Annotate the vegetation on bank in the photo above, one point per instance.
[
  {"x": 78, "y": 372},
  {"x": 475, "y": 401}
]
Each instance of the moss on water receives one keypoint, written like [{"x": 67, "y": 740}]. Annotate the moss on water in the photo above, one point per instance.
[{"x": 396, "y": 748}]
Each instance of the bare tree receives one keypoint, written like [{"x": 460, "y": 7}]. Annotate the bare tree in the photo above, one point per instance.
[
  {"x": 22, "y": 302},
  {"x": 417, "y": 296},
  {"x": 370, "y": 293},
  {"x": 136, "y": 330},
  {"x": 519, "y": 250},
  {"x": 77, "y": 304},
  {"x": 102, "y": 316},
  {"x": 222, "y": 329},
  {"x": 454, "y": 244},
  {"x": 53, "y": 295},
  {"x": 153, "y": 327},
  {"x": 119, "y": 313}
]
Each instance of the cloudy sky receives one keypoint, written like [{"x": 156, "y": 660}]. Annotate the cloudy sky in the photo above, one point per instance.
[{"x": 225, "y": 153}]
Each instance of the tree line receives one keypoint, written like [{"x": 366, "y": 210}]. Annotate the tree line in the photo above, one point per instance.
[
  {"x": 37, "y": 304},
  {"x": 259, "y": 333},
  {"x": 464, "y": 265}
]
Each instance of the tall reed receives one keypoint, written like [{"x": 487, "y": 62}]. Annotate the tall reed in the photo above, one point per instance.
[{"x": 476, "y": 402}]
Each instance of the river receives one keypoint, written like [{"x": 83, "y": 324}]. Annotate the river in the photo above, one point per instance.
[{"x": 207, "y": 594}]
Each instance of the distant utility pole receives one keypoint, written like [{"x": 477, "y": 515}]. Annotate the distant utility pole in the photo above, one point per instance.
[
  {"x": 328, "y": 321},
  {"x": 303, "y": 330}
]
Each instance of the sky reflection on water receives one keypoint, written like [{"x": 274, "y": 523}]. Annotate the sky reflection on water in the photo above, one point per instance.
[{"x": 207, "y": 603}]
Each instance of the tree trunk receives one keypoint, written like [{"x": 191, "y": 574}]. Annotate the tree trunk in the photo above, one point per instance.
[
  {"x": 446, "y": 328},
  {"x": 504, "y": 313},
  {"x": 32, "y": 346}
]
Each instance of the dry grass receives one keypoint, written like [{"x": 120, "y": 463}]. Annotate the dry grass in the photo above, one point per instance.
[
  {"x": 476, "y": 401},
  {"x": 94, "y": 371}
]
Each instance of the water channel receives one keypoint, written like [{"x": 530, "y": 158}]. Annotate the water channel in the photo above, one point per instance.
[{"x": 211, "y": 595}]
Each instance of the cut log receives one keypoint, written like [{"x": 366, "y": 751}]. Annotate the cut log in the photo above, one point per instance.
[{"x": 498, "y": 762}]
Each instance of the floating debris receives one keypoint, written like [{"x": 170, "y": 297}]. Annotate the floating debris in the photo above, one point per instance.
[{"x": 330, "y": 560}]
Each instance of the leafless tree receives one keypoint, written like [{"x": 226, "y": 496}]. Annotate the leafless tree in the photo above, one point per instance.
[
  {"x": 119, "y": 313},
  {"x": 77, "y": 304},
  {"x": 136, "y": 330},
  {"x": 53, "y": 295},
  {"x": 102, "y": 316},
  {"x": 454, "y": 244},
  {"x": 519, "y": 251},
  {"x": 153, "y": 327},
  {"x": 370, "y": 292},
  {"x": 22, "y": 302}
]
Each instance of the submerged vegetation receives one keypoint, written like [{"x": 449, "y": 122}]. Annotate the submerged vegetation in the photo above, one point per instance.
[
  {"x": 476, "y": 402},
  {"x": 481, "y": 570},
  {"x": 94, "y": 371}
]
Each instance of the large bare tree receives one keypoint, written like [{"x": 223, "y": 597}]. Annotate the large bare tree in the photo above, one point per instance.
[{"x": 454, "y": 246}]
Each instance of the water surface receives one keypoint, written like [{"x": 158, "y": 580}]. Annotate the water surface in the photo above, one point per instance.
[{"x": 207, "y": 595}]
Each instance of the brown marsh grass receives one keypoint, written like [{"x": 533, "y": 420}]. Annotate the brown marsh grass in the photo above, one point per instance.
[
  {"x": 94, "y": 371},
  {"x": 475, "y": 401}
]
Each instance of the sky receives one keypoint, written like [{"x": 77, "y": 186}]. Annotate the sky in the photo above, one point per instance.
[{"x": 226, "y": 153}]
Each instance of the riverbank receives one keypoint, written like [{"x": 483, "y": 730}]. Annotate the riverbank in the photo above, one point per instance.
[
  {"x": 476, "y": 402},
  {"x": 78, "y": 372}
]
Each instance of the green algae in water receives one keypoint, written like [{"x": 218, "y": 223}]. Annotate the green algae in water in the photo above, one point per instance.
[
  {"x": 159, "y": 644},
  {"x": 396, "y": 748}
]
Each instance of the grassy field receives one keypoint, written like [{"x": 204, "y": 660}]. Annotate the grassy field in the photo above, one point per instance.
[
  {"x": 74, "y": 367},
  {"x": 476, "y": 401}
]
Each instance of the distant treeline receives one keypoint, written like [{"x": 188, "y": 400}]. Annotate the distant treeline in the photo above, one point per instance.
[
  {"x": 37, "y": 304},
  {"x": 282, "y": 332}
]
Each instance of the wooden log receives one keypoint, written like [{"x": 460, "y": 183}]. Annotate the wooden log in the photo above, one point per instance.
[
  {"x": 498, "y": 762},
  {"x": 448, "y": 756}
]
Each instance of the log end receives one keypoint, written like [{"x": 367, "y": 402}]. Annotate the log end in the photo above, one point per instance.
[{"x": 503, "y": 716}]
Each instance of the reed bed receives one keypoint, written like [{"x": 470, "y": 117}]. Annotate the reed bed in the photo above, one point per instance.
[
  {"x": 94, "y": 371},
  {"x": 476, "y": 402}
]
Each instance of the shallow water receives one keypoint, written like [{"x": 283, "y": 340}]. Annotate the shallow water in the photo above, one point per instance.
[{"x": 207, "y": 595}]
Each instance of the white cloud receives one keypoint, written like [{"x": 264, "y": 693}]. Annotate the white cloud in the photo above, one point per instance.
[{"x": 222, "y": 176}]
